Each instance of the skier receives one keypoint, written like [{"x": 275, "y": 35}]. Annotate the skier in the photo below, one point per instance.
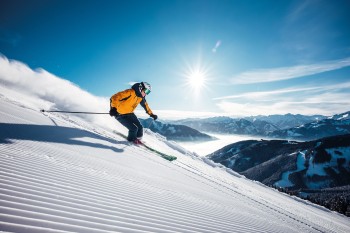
[{"x": 123, "y": 104}]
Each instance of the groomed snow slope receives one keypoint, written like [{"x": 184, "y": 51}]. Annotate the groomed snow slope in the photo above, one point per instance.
[{"x": 60, "y": 174}]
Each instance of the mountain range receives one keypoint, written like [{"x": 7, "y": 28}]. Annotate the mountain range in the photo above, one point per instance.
[
  {"x": 286, "y": 121},
  {"x": 318, "y": 170},
  {"x": 289, "y": 126},
  {"x": 254, "y": 125},
  {"x": 336, "y": 125}
]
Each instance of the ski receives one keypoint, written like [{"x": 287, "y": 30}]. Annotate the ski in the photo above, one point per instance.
[
  {"x": 161, "y": 154},
  {"x": 164, "y": 156}
]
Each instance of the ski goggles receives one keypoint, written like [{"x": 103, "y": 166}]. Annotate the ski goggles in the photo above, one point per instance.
[{"x": 147, "y": 91}]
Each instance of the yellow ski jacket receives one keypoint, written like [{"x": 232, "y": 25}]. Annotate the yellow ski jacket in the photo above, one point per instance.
[{"x": 126, "y": 101}]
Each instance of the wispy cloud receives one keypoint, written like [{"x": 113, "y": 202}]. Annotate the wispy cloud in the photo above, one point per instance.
[
  {"x": 283, "y": 92},
  {"x": 309, "y": 29},
  {"x": 284, "y": 73},
  {"x": 326, "y": 100},
  {"x": 299, "y": 10},
  {"x": 306, "y": 108},
  {"x": 265, "y": 94}
]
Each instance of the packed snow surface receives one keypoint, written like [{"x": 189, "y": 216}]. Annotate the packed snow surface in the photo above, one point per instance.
[{"x": 61, "y": 173}]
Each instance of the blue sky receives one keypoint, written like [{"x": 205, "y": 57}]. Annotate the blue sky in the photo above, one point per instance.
[{"x": 214, "y": 57}]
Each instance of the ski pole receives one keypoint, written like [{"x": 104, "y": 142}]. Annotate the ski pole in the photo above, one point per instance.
[
  {"x": 149, "y": 126},
  {"x": 75, "y": 112}
]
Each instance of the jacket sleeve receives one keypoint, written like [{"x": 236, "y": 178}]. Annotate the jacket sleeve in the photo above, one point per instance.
[
  {"x": 146, "y": 107},
  {"x": 120, "y": 96}
]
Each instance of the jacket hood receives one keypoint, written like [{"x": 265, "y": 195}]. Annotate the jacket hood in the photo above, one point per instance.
[{"x": 136, "y": 87}]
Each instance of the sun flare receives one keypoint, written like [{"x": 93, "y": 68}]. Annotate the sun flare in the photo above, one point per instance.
[{"x": 196, "y": 78}]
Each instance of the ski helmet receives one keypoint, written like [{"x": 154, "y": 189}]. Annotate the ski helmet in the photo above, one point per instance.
[{"x": 146, "y": 87}]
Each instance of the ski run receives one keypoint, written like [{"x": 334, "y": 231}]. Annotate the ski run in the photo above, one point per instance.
[{"x": 61, "y": 173}]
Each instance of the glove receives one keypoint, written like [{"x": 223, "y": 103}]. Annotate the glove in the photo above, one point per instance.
[
  {"x": 155, "y": 117},
  {"x": 113, "y": 112}
]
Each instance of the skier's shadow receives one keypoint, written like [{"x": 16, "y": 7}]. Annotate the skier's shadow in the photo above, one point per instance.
[{"x": 55, "y": 134}]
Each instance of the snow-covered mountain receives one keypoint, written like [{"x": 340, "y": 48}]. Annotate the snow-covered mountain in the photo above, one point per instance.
[
  {"x": 304, "y": 168},
  {"x": 286, "y": 121},
  {"x": 336, "y": 125},
  {"x": 72, "y": 173},
  {"x": 175, "y": 132},
  {"x": 227, "y": 125},
  {"x": 255, "y": 125},
  {"x": 294, "y": 127},
  {"x": 343, "y": 116}
]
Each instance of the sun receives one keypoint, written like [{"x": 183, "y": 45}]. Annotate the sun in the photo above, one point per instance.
[{"x": 196, "y": 78}]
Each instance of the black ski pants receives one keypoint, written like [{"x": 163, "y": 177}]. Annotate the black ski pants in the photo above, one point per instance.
[{"x": 133, "y": 124}]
